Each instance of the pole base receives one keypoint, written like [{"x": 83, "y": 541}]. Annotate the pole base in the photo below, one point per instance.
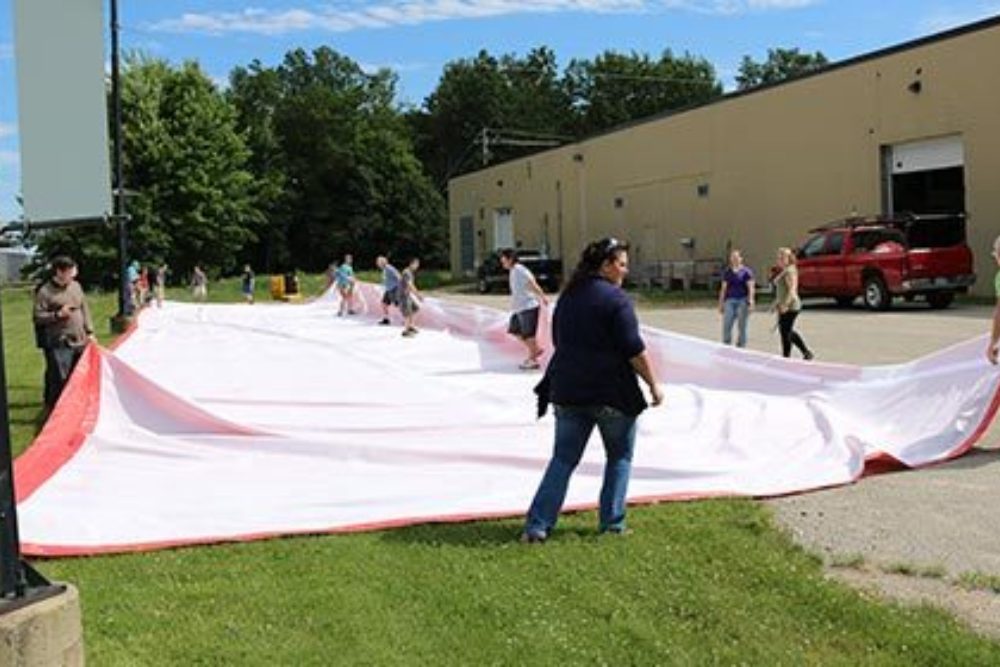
[{"x": 46, "y": 631}]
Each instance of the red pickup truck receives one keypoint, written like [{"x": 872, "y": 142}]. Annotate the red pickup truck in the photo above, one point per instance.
[{"x": 878, "y": 258}]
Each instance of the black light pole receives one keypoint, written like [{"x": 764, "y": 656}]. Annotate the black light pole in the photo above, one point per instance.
[
  {"x": 120, "y": 320},
  {"x": 20, "y": 584},
  {"x": 12, "y": 579}
]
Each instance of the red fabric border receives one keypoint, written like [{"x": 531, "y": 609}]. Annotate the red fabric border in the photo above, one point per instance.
[{"x": 71, "y": 421}]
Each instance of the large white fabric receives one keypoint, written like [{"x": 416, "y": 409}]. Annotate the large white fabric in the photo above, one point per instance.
[{"x": 231, "y": 422}]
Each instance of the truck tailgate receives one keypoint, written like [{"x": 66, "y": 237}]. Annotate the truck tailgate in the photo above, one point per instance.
[{"x": 935, "y": 262}]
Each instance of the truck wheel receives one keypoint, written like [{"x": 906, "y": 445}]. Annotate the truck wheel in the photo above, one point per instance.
[
  {"x": 483, "y": 285},
  {"x": 939, "y": 300},
  {"x": 844, "y": 301},
  {"x": 876, "y": 294}
]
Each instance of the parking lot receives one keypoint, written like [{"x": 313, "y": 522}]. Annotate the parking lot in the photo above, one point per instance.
[{"x": 838, "y": 335}]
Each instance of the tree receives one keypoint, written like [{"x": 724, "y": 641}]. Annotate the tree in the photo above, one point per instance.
[
  {"x": 527, "y": 105},
  {"x": 256, "y": 93},
  {"x": 332, "y": 141},
  {"x": 616, "y": 88},
  {"x": 781, "y": 64},
  {"x": 520, "y": 98},
  {"x": 471, "y": 95},
  {"x": 186, "y": 164}
]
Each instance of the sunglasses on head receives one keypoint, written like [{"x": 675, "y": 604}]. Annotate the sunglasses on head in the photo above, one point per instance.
[{"x": 607, "y": 246}]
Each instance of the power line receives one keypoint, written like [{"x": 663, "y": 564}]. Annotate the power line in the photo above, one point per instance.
[
  {"x": 645, "y": 77},
  {"x": 521, "y": 138}
]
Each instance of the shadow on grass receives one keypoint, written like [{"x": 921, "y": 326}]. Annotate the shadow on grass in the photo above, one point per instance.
[
  {"x": 466, "y": 534},
  {"x": 476, "y": 534}
]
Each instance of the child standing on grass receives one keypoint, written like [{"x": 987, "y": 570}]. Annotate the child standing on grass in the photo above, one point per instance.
[
  {"x": 143, "y": 286},
  {"x": 161, "y": 284},
  {"x": 247, "y": 283},
  {"x": 408, "y": 295},
  {"x": 199, "y": 283}
]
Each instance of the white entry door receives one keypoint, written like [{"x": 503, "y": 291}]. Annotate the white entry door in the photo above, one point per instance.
[{"x": 503, "y": 228}]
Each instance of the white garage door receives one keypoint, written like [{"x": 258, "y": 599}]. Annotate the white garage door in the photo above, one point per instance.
[{"x": 928, "y": 155}]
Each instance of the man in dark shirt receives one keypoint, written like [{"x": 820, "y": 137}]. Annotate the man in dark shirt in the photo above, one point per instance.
[{"x": 63, "y": 325}]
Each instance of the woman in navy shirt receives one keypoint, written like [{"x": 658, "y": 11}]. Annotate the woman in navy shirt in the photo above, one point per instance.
[{"x": 591, "y": 380}]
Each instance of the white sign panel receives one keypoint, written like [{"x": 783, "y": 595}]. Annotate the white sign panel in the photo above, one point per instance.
[{"x": 62, "y": 106}]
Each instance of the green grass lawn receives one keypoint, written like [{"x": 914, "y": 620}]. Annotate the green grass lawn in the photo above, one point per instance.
[{"x": 697, "y": 583}]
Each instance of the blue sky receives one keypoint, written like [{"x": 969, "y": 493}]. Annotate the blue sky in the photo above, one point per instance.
[{"x": 416, "y": 37}]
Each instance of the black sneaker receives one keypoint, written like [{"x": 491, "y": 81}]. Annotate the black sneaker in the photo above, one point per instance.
[
  {"x": 808, "y": 355},
  {"x": 384, "y": 321}
]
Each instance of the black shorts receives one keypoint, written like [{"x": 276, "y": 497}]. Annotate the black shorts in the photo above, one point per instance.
[
  {"x": 390, "y": 297},
  {"x": 524, "y": 323}
]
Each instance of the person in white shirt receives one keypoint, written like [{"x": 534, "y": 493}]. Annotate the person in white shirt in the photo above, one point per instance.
[{"x": 526, "y": 300}]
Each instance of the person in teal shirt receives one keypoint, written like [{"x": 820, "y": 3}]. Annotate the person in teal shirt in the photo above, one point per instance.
[{"x": 344, "y": 278}]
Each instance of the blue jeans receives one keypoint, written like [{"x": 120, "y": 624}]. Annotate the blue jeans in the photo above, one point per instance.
[
  {"x": 574, "y": 424},
  {"x": 735, "y": 310}
]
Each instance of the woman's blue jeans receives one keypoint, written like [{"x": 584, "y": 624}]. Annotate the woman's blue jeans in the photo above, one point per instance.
[
  {"x": 735, "y": 310},
  {"x": 574, "y": 424}
]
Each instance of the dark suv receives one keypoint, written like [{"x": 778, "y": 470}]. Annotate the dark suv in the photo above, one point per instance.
[{"x": 492, "y": 276}]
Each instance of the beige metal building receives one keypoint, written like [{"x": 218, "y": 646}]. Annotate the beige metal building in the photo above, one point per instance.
[{"x": 915, "y": 128}]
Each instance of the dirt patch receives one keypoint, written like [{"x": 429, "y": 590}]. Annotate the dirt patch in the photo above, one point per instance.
[
  {"x": 979, "y": 610},
  {"x": 940, "y": 520}
]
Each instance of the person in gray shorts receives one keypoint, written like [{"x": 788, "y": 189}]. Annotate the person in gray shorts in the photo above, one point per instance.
[
  {"x": 408, "y": 294},
  {"x": 526, "y": 300},
  {"x": 390, "y": 286}
]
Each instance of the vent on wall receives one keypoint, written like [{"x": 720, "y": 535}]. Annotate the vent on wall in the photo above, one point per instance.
[
  {"x": 703, "y": 190},
  {"x": 619, "y": 202}
]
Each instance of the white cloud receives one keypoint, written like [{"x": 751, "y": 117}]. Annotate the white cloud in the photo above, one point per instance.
[
  {"x": 734, "y": 7},
  {"x": 780, "y": 4},
  {"x": 944, "y": 18},
  {"x": 6, "y": 51},
  {"x": 7, "y": 130},
  {"x": 349, "y": 16},
  {"x": 10, "y": 159},
  {"x": 372, "y": 68}
]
